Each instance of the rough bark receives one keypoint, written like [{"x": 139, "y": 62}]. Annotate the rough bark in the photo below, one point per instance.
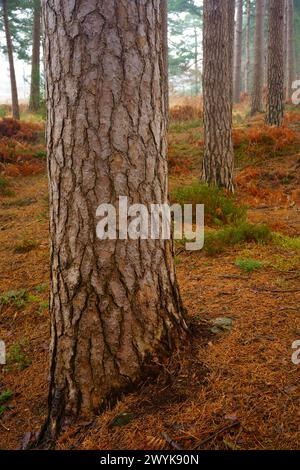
[
  {"x": 230, "y": 12},
  {"x": 9, "y": 46},
  {"x": 34, "y": 100},
  {"x": 164, "y": 14},
  {"x": 290, "y": 53},
  {"x": 258, "y": 67},
  {"x": 247, "y": 47},
  {"x": 114, "y": 304},
  {"x": 238, "y": 49},
  {"x": 217, "y": 93},
  {"x": 275, "y": 92}
]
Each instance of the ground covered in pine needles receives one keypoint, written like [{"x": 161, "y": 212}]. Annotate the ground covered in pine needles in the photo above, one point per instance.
[{"x": 234, "y": 385}]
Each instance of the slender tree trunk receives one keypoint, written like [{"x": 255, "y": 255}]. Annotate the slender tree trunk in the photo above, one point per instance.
[
  {"x": 238, "y": 49},
  {"x": 217, "y": 92},
  {"x": 275, "y": 97},
  {"x": 34, "y": 100},
  {"x": 196, "y": 57},
  {"x": 247, "y": 63},
  {"x": 258, "y": 69},
  {"x": 290, "y": 53},
  {"x": 13, "y": 83},
  {"x": 114, "y": 303}
]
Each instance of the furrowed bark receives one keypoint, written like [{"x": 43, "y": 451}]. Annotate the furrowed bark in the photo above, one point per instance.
[
  {"x": 258, "y": 68},
  {"x": 218, "y": 163},
  {"x": 275, "y": 93},
  {"x": 114, "y": 304}
]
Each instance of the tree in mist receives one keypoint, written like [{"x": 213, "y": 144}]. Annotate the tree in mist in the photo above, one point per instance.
[
  {"x": 34, "y": 100},
  {"x": 217, "y": 93},
  {"x": 238, "y": 51},
  {"x": 10, "y": 54},
  {"x": 247, "y": 47},
  {"x": 290, "y": 49},
  {"x": 114, "y": 303}
]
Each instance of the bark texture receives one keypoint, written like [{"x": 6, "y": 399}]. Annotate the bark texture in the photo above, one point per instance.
[
  {"x": 34, "y": 100},
  {"x": 13, "y": 83},
  {"x": 275, "y": 92},
  {"x": 217, "y": 93},
  {"x": 238, "y": 49},
  {"x": 115, "y": 303},
  {"x": 290, "y": 53},
  {"x": 258, "y": 67}
]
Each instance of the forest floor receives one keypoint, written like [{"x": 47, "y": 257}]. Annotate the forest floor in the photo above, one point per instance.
[{"x": 232, "y": 387}]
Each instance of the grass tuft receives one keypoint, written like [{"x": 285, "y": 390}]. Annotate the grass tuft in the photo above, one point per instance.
[
  {"x": 248, "y": 265},
  {"x": 216, "y": 242},
  {"x": 220, "y": 208}
]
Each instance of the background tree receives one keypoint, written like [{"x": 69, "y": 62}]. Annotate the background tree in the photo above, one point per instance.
[
  {"x": 247, "y": 47},
  {"x": 184, "y": 51},
  {"x": 275, "y": 94},
  {"x": 238, "y": 50},
  {"x": 10, "y": 54},
  {"x": 290, "y": 48},
  {"x": 258, "y": 68},
  {"x": 217, "y": 93},
  {"x": 114, "y": 303},
  {"x": 34, "y": 100}
]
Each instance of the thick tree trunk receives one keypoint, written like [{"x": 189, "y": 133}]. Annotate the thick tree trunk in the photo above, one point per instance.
[
  {"x": 34, "y": 100},
  {"x": 231, "y": 24},
  {"x": 290, "y": 53},
  {"x": 114, "y": 303},
  {"x": 247, "y": 47},
  {"x": 238, "y": 49},
  {"x": 258, "y": 68},
  {"x": 217, "y": 93},
  {"x": 13, "y": 83},
  {"x": 275, "y": 96},
  {"x": 164, "y": 14}
]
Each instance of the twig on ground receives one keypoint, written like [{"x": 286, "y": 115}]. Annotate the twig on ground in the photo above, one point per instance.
[
  {"x": 215, "y": 434},
  {"x": 171, "y": 442}
]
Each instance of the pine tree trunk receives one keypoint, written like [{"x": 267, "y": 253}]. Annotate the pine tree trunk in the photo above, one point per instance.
[
  {"x": 230, "y": 12},
  {"x": 13, "y": 83},
  {"x": 275, "y": 96},
  {"x": 238, "y": 49},
  {"x": 247, "y": 47},
  {"x": 114, "y": 304},
  {"x": 217, "y": 92},
  {"x": 258, "y": 68},
  {"x": 34, "y": 100},
  {"x": 164, "y": 14},
  {"x": 290, "y": 54}
]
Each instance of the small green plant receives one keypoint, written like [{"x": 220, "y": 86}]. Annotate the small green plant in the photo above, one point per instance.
[
  {"x": 219, "y": 207},
  {"x": 4, "y": 398},
  {"x": 16, "y": 356},
  {"x": 287, "y": 242},
  {"x": 41, "y": 287},
  {"x": 217, "y": 241},
  {"x": 18, "y": 298},
  {"x": 26, "y": 245},
  {"x": 5, "y": 187},
  {"x": 40, "y": 154},
  {"x": 248, "y": 265}
]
